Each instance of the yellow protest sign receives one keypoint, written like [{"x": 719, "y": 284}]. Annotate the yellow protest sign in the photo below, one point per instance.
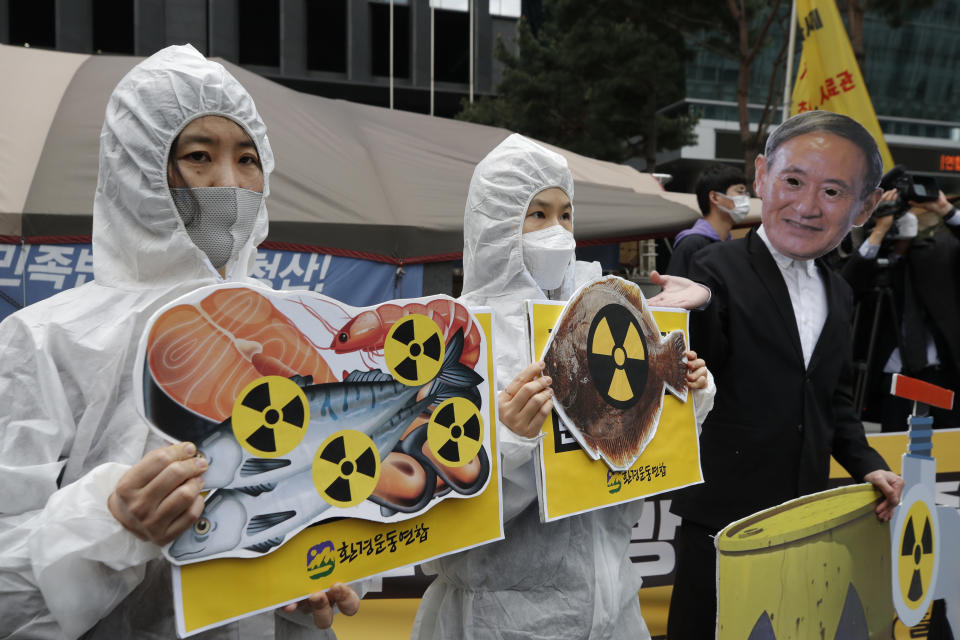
[
  {"x": 571, "y": 482},
  {"x": 828, "y": 77},
  {"x": 210, "y": 593}
]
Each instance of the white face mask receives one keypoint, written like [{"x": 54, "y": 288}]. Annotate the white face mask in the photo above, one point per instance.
[
  {"x": 741, "y": 207},
  {"x": 219, "y": 220},
  {"x": 547, "y": 253}
]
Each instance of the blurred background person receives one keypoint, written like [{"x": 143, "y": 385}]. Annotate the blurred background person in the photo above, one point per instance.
[
  {"x": 906, "y": 278},
  {"x": 724, "y": 201}
]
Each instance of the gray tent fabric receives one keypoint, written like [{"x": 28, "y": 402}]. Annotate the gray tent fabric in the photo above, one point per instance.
[{"x": 351, "y": 179}]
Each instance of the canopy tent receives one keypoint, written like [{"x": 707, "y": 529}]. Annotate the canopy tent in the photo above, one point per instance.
[{"x": 351, "y": 179}]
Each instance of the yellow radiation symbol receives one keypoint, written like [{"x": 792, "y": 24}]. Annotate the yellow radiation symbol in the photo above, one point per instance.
[
  {"x": 270, "y": 416},
  {"x": 413, "y": 350},
  {"x": 455, "y": 432},
  {"x": 617, "y": 356},
  {"x": 916, "y": 559},
  {"x": 346, "y": 468}
]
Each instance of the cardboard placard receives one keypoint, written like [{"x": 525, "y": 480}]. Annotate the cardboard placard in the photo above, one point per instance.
[
  {"x": 311, "y": 447},
  {"x": 570, "y": 482}
]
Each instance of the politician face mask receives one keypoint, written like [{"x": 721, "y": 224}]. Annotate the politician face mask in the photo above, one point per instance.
[
  {"x": 547, "y": 253},
  {"x": 219, "y": 220}
]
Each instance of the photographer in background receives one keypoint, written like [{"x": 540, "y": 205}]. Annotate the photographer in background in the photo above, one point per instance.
[{"x": 910, "y": 264}]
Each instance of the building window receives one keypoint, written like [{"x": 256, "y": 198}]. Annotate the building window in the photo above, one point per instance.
[
  {"x": 113, "y": 26},
  {"x": 505, "y": 8},
  {"x": 259, "y": 32},
  {"x": 451, "y": 52},
  {"x": 327, "y": 35},
  {"x": 380, "y": 39},
  {"x": 32, "y": 23}
]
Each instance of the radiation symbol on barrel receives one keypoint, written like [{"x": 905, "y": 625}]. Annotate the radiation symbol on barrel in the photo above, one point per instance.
[
  {"x": 617, "y": 356},
  {"x": 413, "y": 350},
  {"x": 915, "y": 545},
  {"x": 455, "y": 432},
  {"x": 270, "y": 416},
  {"x": 346, "y": 468}
]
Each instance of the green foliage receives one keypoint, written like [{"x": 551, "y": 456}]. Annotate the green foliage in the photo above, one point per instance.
[{"x": 591, "y": 80}]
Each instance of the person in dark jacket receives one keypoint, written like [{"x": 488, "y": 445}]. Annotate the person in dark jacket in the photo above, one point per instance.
[
  {"x": 724, "y": 201},
  {"x": 777, "y": 336}
]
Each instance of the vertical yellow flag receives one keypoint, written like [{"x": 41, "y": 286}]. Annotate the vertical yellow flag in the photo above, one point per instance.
[{"x": 828, "y": 77}]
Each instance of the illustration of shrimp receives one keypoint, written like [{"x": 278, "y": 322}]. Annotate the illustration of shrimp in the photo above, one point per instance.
[{"x": 367, "y": 331}]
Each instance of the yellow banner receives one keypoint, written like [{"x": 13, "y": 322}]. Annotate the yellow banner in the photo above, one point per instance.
[
  {"x": 571, "y": 482},
  {"x": 210, "y": 593},
  {"x": 828, "y": 77}
]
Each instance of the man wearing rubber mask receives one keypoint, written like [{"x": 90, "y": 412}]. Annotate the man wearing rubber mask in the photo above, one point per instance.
[
  {"x": 568, "y": 579},
  {"x": 90, "y": 494},
  {"x": 777, "y": 336}
]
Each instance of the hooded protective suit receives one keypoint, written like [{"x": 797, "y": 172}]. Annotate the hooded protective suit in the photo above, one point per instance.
[
  {"x": 571, "y": 578},
  {"x": 68, "y": 424}
]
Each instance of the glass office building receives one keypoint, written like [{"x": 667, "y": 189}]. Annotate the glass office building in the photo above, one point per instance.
[
  {"x": 911, "y": 73},
  {"x": 333, "y": 48}
]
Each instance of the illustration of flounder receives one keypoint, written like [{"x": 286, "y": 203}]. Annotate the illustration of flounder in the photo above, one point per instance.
[{"x": 610, "y": 367}]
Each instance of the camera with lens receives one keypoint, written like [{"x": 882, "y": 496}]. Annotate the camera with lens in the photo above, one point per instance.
[{"x": 909, "y": 189}]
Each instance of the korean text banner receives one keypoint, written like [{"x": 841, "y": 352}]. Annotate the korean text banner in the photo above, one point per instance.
[
  {"x": 570, "y": 482},
  {"x": 828, "y": 77},
  {"x": 32, "y": 272}
]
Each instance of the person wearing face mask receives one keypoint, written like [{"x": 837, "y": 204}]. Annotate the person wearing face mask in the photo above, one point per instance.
[
  {"x": 724, "y": 202},
  {"x": 777, "y": 334},
  {"x": 571, "y": 578},
  {"x": 90, "y": 493}
]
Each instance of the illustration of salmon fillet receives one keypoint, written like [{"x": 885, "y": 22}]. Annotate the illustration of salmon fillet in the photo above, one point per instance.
[
  {"x": 285, "y": 350},
  {"x": 198, "y": 364},
  {"x": 204, "y": 356}
]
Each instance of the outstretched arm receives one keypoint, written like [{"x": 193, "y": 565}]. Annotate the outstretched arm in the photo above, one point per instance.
[{"x": 678, "y": 292}]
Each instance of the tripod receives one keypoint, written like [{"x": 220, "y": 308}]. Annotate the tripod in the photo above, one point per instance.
[{"x": 883, "y": 303}]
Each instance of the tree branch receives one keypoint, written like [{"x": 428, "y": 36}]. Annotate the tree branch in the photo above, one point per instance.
[
  {"x": 767, "y": 114},
  {"x": 763, "y": 31}
]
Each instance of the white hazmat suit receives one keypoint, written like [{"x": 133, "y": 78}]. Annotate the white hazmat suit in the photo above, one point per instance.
[
  {"x": 571, "y": 578},
  {"x": 68, "y": 424}
]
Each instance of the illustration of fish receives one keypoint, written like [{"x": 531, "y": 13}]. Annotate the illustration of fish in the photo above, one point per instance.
[
  {"x": 610, "y": 366},
  {"x": 371, "y": 402},
  {"x": 234, "y": 520},
  {"x": 259, "y": 502}
]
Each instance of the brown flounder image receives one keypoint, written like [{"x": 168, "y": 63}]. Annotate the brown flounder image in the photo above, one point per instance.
[{"x": 610, "y": 367}]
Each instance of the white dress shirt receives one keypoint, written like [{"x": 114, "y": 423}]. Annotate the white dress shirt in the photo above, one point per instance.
[{"x": 807, "y": 296}]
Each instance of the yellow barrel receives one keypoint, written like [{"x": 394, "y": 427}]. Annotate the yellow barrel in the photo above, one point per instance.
[{"x": 807, "y": 568}]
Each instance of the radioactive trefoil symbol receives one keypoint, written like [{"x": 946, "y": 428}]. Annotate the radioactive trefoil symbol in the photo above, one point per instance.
[
  {"x": 915, "y": 562},
  {"x": 346, "y": 468},
  {"x": 270, "y": 416},
  {"x": 413, "y": 350},
  {"x": 617, "y": 356},
  {"x": 455, "y": 432}
]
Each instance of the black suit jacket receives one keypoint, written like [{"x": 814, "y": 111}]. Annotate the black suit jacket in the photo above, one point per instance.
[
  {"x": 774, "y": 422},
  {"x": 683, "y": 253}
]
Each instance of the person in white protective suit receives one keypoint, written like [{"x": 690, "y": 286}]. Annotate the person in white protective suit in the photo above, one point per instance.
[
  {"x": 571, "y": 578},
  {"x": 88, "y": 491}
]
